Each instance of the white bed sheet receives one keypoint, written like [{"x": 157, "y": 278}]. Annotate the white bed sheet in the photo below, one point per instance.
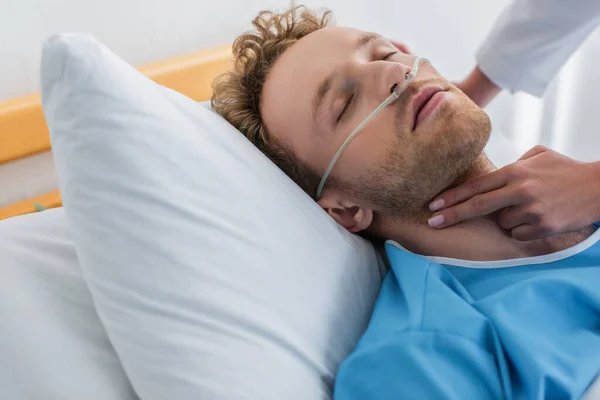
[{"x": 52, "y": 344}]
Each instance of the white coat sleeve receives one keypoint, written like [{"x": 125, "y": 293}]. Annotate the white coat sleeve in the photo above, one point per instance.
[{"x": 533, "y": 39}]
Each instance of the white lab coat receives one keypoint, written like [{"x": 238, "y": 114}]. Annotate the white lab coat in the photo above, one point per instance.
[{"x": 533, "y": 39}]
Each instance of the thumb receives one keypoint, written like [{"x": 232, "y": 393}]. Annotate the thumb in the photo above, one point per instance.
[{"x": 526, "y": 232}]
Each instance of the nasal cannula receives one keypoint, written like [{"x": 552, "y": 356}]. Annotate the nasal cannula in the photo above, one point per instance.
[{"x": 396, "y": 92}]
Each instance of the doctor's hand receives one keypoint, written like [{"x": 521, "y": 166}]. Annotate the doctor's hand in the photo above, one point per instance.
[{"x": 542, "y": 194}]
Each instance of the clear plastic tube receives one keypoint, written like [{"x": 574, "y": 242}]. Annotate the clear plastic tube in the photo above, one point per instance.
[{"x": 396, "y": 93}]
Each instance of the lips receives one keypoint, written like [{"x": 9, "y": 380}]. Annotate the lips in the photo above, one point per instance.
[{"x": 421, "y": 100}]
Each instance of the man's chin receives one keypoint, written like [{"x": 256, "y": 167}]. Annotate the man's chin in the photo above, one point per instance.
[
  {"x": 468, "y": 146},
  {"x": 405, "y": 185},
  {"x": 478, "y": 167}
]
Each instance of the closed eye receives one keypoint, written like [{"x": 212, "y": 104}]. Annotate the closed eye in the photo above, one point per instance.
[
  {"x": 349, "y": 102},
  {"x": 388, "y": 55}
]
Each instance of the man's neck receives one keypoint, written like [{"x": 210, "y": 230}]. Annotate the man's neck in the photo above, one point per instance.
[{"x": 477, "y": 239}]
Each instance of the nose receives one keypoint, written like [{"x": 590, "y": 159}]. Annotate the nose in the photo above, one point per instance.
[{"x": 385, "y": 75}]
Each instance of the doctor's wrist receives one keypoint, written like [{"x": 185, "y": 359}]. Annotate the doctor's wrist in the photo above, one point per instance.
[
  {"x": 595, "y": 185},
  {"x": 479, "y": 87}
]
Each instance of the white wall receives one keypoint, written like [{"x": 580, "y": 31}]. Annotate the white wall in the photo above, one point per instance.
[{"x": 140, "y": 31}]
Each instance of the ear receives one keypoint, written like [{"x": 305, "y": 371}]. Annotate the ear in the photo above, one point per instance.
[
  {"x": 401, "y": 46},
  {"x": 348, "y": 214}
]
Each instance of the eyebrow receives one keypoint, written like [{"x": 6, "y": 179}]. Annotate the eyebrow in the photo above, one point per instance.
[
  {"x": 326, "y": 84},
  {"x": 366, "y": 38}
]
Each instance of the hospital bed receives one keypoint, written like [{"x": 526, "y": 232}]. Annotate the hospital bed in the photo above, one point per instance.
[{"x": 328, "y": 256}]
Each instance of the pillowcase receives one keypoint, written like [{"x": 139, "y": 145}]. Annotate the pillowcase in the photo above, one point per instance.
[
  {"x": 51, "y": 341},
  {"x": 215, "y": 276}
]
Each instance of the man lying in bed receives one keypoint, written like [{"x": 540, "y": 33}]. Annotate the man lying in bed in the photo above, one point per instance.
[{"x": 467, "y": 312}]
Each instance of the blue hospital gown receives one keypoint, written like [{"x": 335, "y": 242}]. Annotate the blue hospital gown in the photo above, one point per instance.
[{"x": 522, "y": 329}]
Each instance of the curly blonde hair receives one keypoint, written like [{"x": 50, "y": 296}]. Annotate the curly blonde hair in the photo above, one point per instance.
[{"x": 236, "y": 94}]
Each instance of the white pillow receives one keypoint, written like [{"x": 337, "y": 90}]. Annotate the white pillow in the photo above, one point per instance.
[
  {"x": 52, "y": 344},
  {"x": 216, "y": 277}
]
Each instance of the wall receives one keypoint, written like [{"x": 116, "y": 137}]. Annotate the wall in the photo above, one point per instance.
[{"x": 140, "y": 31}]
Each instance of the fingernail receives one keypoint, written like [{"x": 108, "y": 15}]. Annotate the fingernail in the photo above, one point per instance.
[
  {"x": 436, "y": 205},
  {"x": 436, "y": 220}
]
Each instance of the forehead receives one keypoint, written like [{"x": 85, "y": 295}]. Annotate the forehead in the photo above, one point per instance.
[{"x": 287, "y": 97}]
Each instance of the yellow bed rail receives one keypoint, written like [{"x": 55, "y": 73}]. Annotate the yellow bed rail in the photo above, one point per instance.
[
  {"x": 47, "y": 200},
  {"x": 23, "y": 130}
]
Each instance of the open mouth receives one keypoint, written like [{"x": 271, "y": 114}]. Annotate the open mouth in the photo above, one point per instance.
[{"x": 425, "y": 103}]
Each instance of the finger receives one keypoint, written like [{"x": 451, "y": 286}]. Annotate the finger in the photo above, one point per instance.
[
  {"x": 477, "y": 206},
  {"x": 514, "y": 216},
  {"x": 534, "y": 151},
  {"x": 528, "y": 232},
  {"x": 485, "y": 183}
]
